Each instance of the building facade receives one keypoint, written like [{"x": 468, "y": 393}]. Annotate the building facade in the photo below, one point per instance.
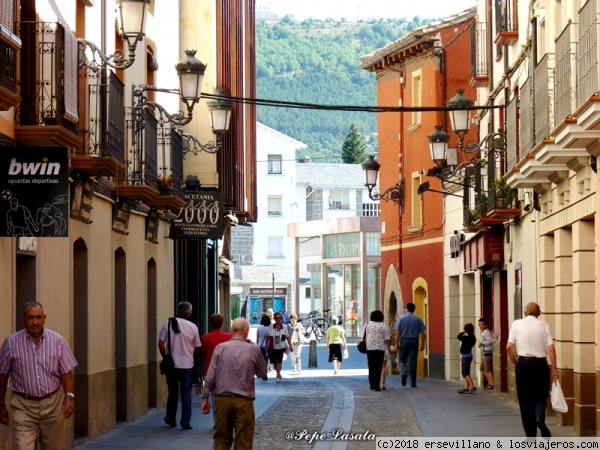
[
  {"x": 113, "y": 276},
  {"x": 422, "y": 69}
]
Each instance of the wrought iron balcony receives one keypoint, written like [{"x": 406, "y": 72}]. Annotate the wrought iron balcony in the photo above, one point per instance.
[
  {"x": 49, "y": 108},
  {"x": 479, "y": 64},
  {"x": 507, "y": 25},
  {"x": 9, "y": 96},
  {"x": 103, "y": 127}
]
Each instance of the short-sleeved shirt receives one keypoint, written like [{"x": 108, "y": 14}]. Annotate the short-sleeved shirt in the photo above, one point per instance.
[
  {"x": 35, "y": 369},
  {"x": 335, "y": 334},
  {"x": 279, "y": 336},
  {"x": 183, "y": 343},
  {"x": 377, "y": 334},
  {"x": 410, "y": 326},
  {"x": 531, "y": 336}
]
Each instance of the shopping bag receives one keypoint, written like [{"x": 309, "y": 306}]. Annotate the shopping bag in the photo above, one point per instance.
[
  {"x": 559, "y": 404},
  {"x": 345, "y": 352}
]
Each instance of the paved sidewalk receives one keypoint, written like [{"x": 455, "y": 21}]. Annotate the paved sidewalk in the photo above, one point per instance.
[{"x": 316, "y": 401}]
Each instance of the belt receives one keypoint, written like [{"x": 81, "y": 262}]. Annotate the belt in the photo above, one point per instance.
[
  {"x": 33, "y": 397},
  {"x": 408, "y": 338},
  {"x": 233, "y": 396},
  {"x": 531, "y": 357}
]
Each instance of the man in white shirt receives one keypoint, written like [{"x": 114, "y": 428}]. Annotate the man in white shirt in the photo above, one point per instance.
[
  {"x": 185, "y": 341},
  {"x": 533, "y": 341}
]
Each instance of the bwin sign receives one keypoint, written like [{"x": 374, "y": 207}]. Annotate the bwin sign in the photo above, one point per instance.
[{"x": 33, "y": 168}]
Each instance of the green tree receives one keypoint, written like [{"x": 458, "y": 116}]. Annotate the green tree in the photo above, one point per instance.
[{"x": 354, "y": 148}]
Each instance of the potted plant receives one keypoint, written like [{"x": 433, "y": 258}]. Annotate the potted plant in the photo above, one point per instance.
[
  {"x": 504, "y": 195},
  {"x": 165, "y": 185}
]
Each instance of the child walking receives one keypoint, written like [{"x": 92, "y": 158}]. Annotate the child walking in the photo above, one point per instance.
[{"x": 467, "y": 342}]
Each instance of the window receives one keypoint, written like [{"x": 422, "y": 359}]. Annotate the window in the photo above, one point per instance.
[
  {"x": 416, "y": 97},
  {"x": 307, "y": 292},
  {"x": 274, "y": 206},
  {"x": 339, "y": 200},
  {"x": 417, "y": 205},
  {"x": 275, "y": 247},
  {"x": 370, "y": 209},
  {"x": 274, "y": 163}
]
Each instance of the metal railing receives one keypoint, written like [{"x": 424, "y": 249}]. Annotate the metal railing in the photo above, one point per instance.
[
  {"x": 506, "y": 16},
  {"x": 566, "y": 54},
  {"x": 143, "y": 148},
  {"x": 512, "y": 134},
  {"x": 43, "y": 80},
  {"x": 479, "y": 66},
  {"x": 587, "y": 55},
  {"x": 103, "y": 127},
  {"x": 543, "y": 98},
  {"x": 527, "y": 118},
  {"x": 8, "y": 67}
]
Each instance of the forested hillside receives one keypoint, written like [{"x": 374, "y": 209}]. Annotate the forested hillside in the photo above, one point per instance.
[{"x": 317, "y": 62}]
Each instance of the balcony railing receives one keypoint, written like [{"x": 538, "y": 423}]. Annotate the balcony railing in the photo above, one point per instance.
[
  {"x": 507, "y": 24},
  {"x": 48, "y": 85},
  {"x": 587, "y": 58},
  {"x": 479, "y": 64},
  {"x": 170, "y": 157},
  {"x": 8, "y": 76},
  {"x": 543, "y": 99},
  {"x": 103, "y": 127},
  {"x": 566, "y": 54},
  {"x": 512, "y": 134},
  {"x": 142, "y": 157},
  {"x": 526, "y": 116}
]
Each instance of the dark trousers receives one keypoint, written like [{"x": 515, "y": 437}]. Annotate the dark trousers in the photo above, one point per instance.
[
  {"x": 533, "y": 387},
  {"x": 375, "y": 362},
  {"x": 409, "y": 351},
  {"x": 180, "y": 379}
]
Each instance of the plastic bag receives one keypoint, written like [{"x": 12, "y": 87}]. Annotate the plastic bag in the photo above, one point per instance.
[
  {"x": 559, "y": 404},
  {"x": 345, "y": 352}
]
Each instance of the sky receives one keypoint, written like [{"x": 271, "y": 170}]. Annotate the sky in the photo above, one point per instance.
[{"x": 366, "y": 9}]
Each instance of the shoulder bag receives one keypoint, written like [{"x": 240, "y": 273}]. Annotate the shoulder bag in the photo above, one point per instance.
[
  {"x": 362, "y": 345},
  {"x": 167, "y": 365}
]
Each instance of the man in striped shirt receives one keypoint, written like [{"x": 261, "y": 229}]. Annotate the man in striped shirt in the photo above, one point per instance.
[{"x": 34, "y": 363}]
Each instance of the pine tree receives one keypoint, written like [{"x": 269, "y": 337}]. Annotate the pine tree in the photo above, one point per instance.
[{"x": 354, "y": 148}]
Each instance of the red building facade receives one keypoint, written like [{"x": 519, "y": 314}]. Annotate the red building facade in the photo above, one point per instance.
[{"x": 418, "y": 71}]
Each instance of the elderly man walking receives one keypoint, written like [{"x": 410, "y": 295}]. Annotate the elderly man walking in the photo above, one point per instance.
[
  {"x": 408, "y": 329},
  {"x": 533, "y": 341},
  {"x": 184, "y": 342},
  {"x": 231, "y": 373},
  {"x": 37, "y": 362}
]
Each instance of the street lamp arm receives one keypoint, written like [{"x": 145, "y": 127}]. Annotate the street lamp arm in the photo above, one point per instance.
[
  {"x": 498, "y": 144},
  {"x": 116, "y": 60},
  {"x": 193, "y": 145},
  {"x": 394, "y": 193},
  {"x": 140, "y": 100}
]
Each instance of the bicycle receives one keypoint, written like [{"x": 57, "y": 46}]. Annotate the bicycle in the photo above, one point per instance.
[{"x": 315, "y": 325}]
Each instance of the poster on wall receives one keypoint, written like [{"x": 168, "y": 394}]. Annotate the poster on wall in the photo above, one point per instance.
[
  {"x": 200, "y": 218},
  {"x": 34, "y": 192}
]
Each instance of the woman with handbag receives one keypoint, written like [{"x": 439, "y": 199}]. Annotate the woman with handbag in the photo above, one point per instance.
[
  {"x": 278, "y": 340},
  {"x": 336, "y": 343},
  {"x": 378, "y": 341},
  {"x": 297, "y": 335}
]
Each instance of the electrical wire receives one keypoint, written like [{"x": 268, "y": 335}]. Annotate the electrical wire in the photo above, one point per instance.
[{"x": 315, "y": 106}]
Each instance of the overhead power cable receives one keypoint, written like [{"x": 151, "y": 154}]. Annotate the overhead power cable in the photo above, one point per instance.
[{"x": 315, "y": 106}]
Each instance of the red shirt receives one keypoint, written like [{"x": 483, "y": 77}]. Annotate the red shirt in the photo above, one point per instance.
[{"x": 209, "y": 343}]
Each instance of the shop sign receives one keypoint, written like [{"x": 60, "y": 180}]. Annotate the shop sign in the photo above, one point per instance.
[
  {"x": 268, "y": 291},
  {"x": 200, "y": 218},
  {"x": 34, "y": 191}
]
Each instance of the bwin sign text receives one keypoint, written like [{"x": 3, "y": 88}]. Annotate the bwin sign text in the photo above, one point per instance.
[{"x": 33, "y": 168}]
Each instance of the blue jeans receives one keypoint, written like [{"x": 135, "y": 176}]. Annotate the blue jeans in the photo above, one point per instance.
[
  {"x": 409, "y": 350},
  {"x": 180, "y": 379}
]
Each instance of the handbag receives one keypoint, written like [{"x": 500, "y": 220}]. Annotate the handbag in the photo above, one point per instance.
[
  {"x": 362, "y": 345},
  {"x": 559, "y": 404},
  {"x": 167, "y": 365}
]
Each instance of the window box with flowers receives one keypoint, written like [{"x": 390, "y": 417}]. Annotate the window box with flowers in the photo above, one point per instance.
[{"x": 165, "y": 185}]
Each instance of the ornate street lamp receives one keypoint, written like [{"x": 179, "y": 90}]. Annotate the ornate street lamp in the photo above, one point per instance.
[{"x": 395, "y": 193}]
